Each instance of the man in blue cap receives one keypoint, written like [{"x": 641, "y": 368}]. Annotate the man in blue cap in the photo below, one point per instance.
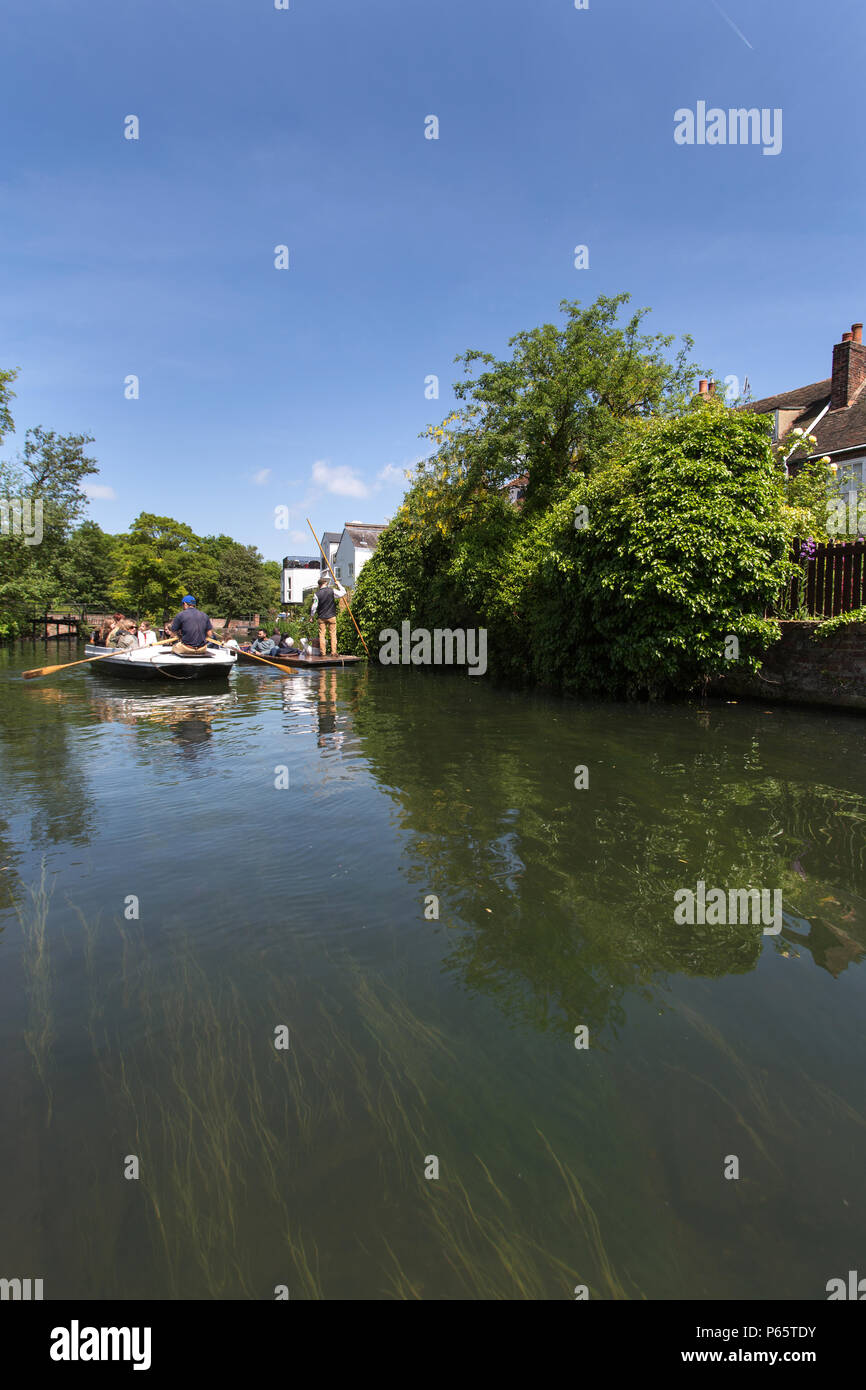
[{"x": 193, "y": 628}]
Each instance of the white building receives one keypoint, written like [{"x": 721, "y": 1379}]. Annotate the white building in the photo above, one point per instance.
[
  {"x": 357, "y": 543},
  {"x": 329, "y": 542},
  {"x": 300, "y": 573}
]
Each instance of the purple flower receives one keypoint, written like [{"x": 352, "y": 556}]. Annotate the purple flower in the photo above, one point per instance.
[{"x": 808, "y": 549}]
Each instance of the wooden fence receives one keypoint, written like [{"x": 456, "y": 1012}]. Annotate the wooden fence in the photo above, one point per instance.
[{"x": 830, "y": 582}]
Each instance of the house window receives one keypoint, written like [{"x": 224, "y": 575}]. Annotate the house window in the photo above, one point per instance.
[
  {"x": 351, "y": 569},
  {"x": 339, "y": 572}
]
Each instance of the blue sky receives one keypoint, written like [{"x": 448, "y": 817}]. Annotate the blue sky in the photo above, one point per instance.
[{"x": 305, "y": 388}]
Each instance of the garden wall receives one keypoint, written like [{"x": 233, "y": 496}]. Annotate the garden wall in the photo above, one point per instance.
[{"x": 803, "y": 669}]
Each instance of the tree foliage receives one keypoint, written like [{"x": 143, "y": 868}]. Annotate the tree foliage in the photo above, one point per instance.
[
  {"x": 656, "y": 527},
  {"x": 145, "y": 571},
  {"x": 45, "y": 481},
  {"x": 560, "y": 404}
]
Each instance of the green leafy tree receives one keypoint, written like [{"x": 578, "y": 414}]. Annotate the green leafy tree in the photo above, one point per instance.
[
  {"x": 86, "y": 567},
  {"x": 687, "y": 544},
  {"x": 159, "y": 561},
  {"x": 7, "y": 424},
  {"x": 630, "y": 582},
  {"x": 559, "y": 405},
  {"x": 242, "y": 583},
  {"x": 46, "y": 478},
  {"x": 273, "y": 573}
]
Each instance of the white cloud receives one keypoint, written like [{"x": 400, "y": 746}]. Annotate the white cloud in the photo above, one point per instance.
[
  {"x": 100, "y": 492},
  {"x": 392, "y": 474},
  {"x": 341, "y": 481},
  {"x": 261, "y": 477},
  {"x": 299, "y": 537}
]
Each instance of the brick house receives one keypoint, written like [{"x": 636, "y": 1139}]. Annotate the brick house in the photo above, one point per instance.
[
  {"x": 515, "y": 490},
  {"x": 833, "y": 410}
]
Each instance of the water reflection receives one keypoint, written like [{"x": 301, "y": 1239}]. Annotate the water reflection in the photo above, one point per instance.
[
  {"x": 569, "y": 894},
  {"x": 832, "y": 948},
  {"x": 173, "y": 711},
  {"x": 43, "y": 760},
  {"x": 156, "y": 1036}
]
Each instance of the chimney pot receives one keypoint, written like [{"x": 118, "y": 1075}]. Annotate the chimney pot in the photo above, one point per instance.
[
  {"x": 857, "y": 332},
  {"x": 702, "y": 386},
  {"x": 711, "y": 388}
]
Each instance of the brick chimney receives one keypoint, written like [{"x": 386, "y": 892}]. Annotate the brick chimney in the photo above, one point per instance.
[{"x": 849, "y": 367}]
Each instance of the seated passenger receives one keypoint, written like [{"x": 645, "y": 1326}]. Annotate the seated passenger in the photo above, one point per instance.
[
  {"x": 263, "y": 644},
  {"x": 122, "y": 636}
]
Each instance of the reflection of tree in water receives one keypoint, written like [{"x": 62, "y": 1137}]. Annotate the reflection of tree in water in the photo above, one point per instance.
[
  {"x": 10, "y": 857},
  {"x": 569, "y": 894},
  {"x": 44, "y": 759}
]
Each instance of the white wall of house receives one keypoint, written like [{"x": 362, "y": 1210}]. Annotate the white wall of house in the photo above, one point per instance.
[
  {"x": 349, "y": 561},
  {"x": 296, "y": 582}
]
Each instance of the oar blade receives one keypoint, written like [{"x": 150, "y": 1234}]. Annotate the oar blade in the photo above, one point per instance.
[{"x": 40, "y": 671}]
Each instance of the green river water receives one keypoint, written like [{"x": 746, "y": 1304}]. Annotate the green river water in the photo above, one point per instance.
[{"x": 166, "y": 907}]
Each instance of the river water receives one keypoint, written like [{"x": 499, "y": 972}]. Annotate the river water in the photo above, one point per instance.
[{"x": 435, "y": 920}]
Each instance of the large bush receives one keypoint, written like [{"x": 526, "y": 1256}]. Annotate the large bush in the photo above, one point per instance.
[{"x": 685, "y": 544}]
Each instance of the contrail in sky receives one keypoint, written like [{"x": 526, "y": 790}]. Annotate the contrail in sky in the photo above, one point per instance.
[{"x": 737, "y": 31}]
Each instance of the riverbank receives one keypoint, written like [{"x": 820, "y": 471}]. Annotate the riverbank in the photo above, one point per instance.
[{"x": 806, "y": 667}]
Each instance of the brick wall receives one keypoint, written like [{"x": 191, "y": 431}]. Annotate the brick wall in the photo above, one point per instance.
[{"x": 800, "y": 669}]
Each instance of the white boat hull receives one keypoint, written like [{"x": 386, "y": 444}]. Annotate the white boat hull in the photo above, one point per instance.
[{"x": 160, "y": 662}]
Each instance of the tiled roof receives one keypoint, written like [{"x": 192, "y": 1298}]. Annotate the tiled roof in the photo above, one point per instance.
[
  {"x": 365, "y": 535},
  {"x": 843, "y": 429},
  {"x": 838, "y": 430},
  {"x": 805, "y": 396},
  {"x": 331, "y": 537}
]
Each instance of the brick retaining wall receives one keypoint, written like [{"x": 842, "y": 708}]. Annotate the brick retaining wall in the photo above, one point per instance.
[{"x": 802, "y": 669}]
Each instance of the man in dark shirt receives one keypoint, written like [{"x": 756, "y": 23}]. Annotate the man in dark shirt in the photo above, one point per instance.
[
  {"x": 194, "y": 629},
  {"x": 324, "y": 606}
]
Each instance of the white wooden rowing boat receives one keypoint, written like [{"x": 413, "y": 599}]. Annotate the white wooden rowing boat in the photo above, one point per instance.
[{"x": 161, "y": 662}]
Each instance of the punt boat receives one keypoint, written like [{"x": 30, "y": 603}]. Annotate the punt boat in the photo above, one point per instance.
[
  {"x": 301, "y": 663},
  {"x": 161, "y": 662}
]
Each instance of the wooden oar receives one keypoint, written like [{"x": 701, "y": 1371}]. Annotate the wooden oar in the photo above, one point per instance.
[
  {"x": 281, "y": 669},
  {"x": 49, "y": 670},
  {"x": 334, "y": 577}
]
